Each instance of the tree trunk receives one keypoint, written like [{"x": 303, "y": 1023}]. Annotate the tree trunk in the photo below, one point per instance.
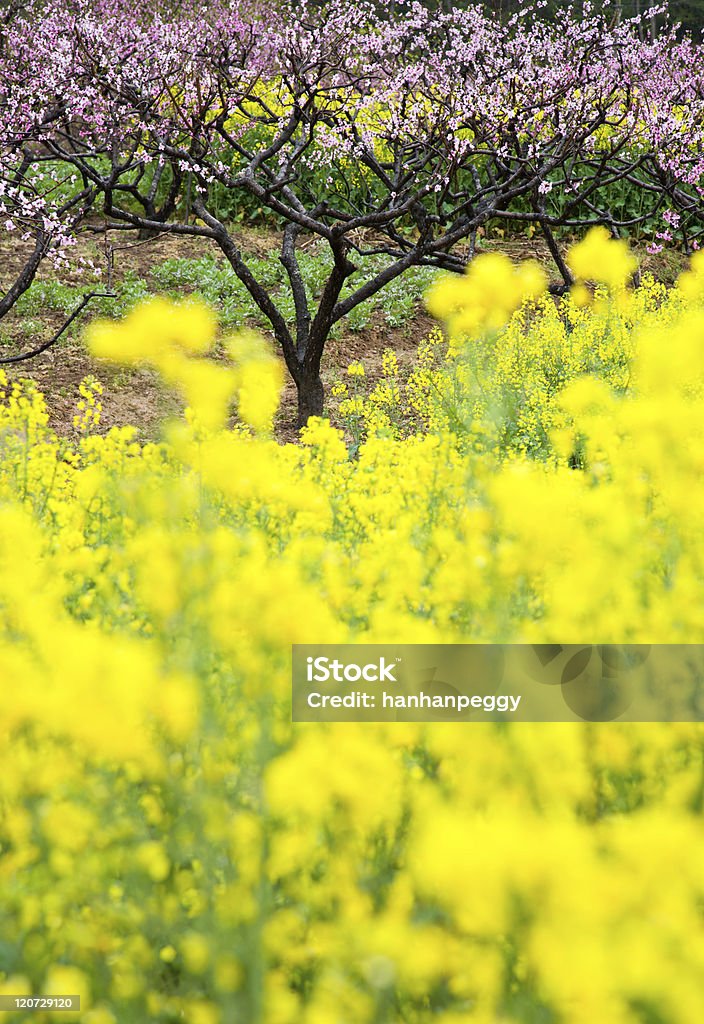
[{"x": 310, "y": 397}]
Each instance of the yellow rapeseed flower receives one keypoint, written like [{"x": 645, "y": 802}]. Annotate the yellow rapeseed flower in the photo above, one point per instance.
[{"x": 602, "y": 259}]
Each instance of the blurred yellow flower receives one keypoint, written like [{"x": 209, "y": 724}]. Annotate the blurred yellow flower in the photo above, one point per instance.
[{"x": 602, "y": 259}]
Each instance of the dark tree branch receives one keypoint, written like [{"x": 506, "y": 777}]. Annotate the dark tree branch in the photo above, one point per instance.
[{"x": 64, "y": 327}]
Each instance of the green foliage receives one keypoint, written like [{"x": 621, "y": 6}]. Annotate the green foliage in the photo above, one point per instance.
[
  {"x": 44, "y": 296},
  {"x": 215, "y": 282}
]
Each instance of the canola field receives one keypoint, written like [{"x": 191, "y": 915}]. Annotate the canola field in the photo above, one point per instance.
[{"x": 173, "y": 849}]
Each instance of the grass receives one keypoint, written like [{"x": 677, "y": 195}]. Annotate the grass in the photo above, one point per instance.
[{"x": 213, "y": 280}]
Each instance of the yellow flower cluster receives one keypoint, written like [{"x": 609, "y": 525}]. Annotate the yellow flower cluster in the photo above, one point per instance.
[
  {"x": 173, "y": 849},
  {"x": 483, "y": 299},
  {"x": 602, "y": 259},
  {"x": 89, "y": 406}
]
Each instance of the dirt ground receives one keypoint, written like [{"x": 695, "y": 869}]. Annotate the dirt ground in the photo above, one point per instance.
[{"x": 137, "y": 397}]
